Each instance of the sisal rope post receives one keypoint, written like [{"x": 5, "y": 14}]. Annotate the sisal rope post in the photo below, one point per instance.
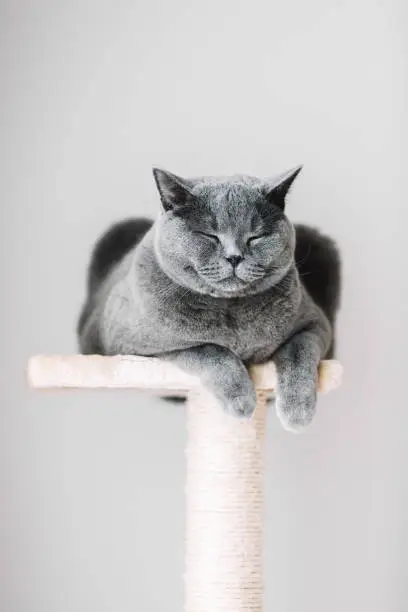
[
  {"x": 224, "y": 507},
  {"x": 224, "y": 488}
]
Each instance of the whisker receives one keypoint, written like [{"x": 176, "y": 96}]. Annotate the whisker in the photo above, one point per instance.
[
  {"x": 208, "y": 269},
  {"x": 304, "y": 259}
]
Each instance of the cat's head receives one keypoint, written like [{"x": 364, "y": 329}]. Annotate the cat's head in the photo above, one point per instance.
[{"x": 225, "y": 237}]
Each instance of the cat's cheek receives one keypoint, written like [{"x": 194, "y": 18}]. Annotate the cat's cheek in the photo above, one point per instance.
[{"x": 263, "y": 257}]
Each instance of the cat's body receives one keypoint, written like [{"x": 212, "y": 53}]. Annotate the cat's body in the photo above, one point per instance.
[
  {"x": 212, "y": 322},
  {"x": 251, "y": 327}
]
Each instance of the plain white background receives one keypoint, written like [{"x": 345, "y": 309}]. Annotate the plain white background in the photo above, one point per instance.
[{"x": 93, "y": 94}]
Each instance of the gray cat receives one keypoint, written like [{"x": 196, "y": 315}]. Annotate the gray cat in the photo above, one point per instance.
[{"x": 220, "y": 280}]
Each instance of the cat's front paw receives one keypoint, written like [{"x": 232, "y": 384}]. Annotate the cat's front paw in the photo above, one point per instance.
[
  {"x": 235, "y": 391},
  {"x": 296, "y": 408},
  {"x": 241, "y": 406}
]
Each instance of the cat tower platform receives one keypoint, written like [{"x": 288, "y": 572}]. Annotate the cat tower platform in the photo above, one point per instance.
[{"x": 224, "y": 488}]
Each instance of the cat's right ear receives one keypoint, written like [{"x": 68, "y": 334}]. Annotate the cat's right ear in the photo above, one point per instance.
[
  {"x": 174, "y": 191},
  {"x": 277, "y": 188}
]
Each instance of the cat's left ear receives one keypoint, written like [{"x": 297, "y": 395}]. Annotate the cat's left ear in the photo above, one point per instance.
[
  {"x": 174, "y": 191},
  {"x": 277, "y": 189}
]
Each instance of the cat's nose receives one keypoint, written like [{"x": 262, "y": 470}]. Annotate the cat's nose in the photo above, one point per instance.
[{"x": 234, "y": 260}]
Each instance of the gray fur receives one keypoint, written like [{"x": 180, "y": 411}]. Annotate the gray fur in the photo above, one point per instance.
[{"x": 213, "y": 286}]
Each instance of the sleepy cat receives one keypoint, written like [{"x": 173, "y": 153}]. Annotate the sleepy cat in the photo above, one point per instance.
[{"x": 220, "y": 280}]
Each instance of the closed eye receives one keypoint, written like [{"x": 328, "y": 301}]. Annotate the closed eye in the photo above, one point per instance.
[
  {"x": 254, "y": 239},
  {"x": 212, "y": 237}
]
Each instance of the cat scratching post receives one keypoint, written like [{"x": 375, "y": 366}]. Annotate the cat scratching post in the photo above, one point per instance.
[{"x": 224, "y": 470}]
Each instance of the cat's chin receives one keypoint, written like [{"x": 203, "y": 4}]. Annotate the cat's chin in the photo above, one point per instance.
[
  {"x": 229, "y": 288},
  {"x": 232, "y": 285}
]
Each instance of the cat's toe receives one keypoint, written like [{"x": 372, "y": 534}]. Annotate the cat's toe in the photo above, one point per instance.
[
  {"x": 296, "y": 416},
  {"x": 242, "y": 406},
  {"x": 294, "y": 425}
]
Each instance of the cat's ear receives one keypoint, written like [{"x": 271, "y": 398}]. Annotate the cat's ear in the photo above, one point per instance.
[
  {"x": 277, "y": 189},
  {"x": 174, "y": 191}
]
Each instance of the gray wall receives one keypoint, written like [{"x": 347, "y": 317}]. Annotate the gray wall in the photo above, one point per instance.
[{"x": 93, "y": 94}]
